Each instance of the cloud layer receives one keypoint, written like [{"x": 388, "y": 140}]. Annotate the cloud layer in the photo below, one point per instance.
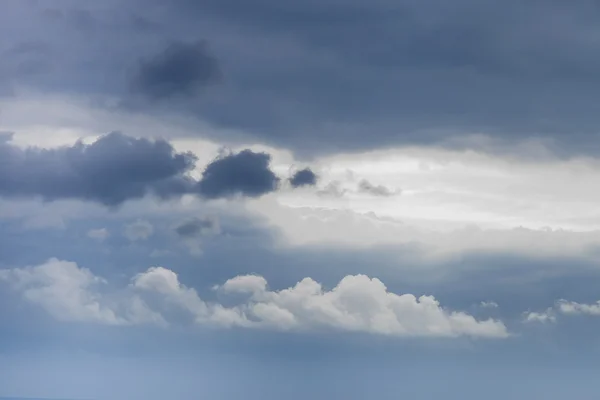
[
  {"x": 116, "y": 168},
  {"x": 337, "y": 76},
  {"x": 113, "y": 169},
  {"x": 356, "y": 304}
]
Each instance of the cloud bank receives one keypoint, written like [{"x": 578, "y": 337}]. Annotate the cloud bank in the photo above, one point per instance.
[
  {"x": 338, "y": 76},
  {"x": 356, "y": 304},
  {"x": 113, "y": 169},
  {"x": 116, "y": 168}
]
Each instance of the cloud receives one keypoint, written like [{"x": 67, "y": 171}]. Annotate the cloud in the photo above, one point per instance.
[
  {"x": 138, "y": 230},
  {"x": 245, "y": 173},
  {"x": 181, "y": 69},
  {"x": 541, "y": 317},
  {"x": 564, "y": 307},
  {"x": 304, "y": 177},
  {"x": 424, "y": 70},
  {"x": 488, "y": 304},
  {"x": 333, "y": 189},
  {"x": 98, "y": 234},
  {"x": 574, "y": 308},
  {"x": 357, "y": 304},
  {"x": 116, "y": 168},
  {"x": 70, "y": 293},
  {"x": 113, "y": 169},
  {"x": 193, "y": 230},
  {"x": 198, "y": 227},
  {"x": 166, "y": 283},
  {"x": 245, "y": 284},
  {"x": 364, "y": 186}
]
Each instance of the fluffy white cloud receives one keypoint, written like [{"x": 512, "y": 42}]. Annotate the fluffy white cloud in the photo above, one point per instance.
[
  {"x": 564, "y": 307},
  {"x": 574, "y": 308},
  {"x": 166, "y": 283},
  {"x": 64, "y": 290},
  {"x": 358, "y": 303},
  {"x": 541, "y": 317},
  {"x": 245, "y": 284},
  {"x": 488, "y": 304}
]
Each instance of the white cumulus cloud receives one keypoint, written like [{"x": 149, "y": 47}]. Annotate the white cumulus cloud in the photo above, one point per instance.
[
  {"x": 64, "y": 290},
  {"x": 357, "y": 303},
  {"x": 564, "y": 307}
]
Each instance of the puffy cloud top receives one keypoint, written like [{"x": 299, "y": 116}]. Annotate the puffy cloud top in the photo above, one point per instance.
[{"x": 358, "y": 303}]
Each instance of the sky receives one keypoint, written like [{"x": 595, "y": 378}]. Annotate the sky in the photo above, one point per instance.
[{"x": 290, "y": 199}]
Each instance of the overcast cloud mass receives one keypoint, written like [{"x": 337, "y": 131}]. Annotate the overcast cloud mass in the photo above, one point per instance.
[{"x": 299, "y": 199}]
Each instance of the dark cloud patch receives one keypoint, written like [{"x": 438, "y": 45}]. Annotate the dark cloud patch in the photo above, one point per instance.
[
  {"x": 117, "y": 168},
  {"x": 110, "y": 171},
  {"x": 364, "y": 186},
  {"x": 304, "y": 177},
  {"x": 199, "y": 226},
  {"x": 181, "y": 69},
  {"x": 245, "y": 173},
  {"x": 332, "y": 76},
  {"x": 353, "y": 75}
]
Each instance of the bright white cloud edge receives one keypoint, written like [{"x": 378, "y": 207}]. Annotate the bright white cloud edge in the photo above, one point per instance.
[
  {"x": 357, "y": 304},
  {"x": 563, "y": 308},
  {"x": 449, "y": 201}
]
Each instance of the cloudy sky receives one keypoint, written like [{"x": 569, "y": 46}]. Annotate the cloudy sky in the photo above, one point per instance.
[{"x": 299, "y": 199}]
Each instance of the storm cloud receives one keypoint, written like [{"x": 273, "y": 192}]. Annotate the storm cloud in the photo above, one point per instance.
[
  {"x": 245, "y": 173},
  {"x": 181, "y": 69},
  {"x": 113, "y": 169},
  {"x": 117, "y": 168},
  {"x": 304, "y": 177},
  {"x": 324, "y": 77}
]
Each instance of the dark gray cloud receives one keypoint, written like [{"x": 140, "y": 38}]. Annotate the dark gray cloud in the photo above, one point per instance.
[
  {"x": 362, "y": 74},
  {"x": 117, "y": 168},
  {"x": 339, "y": 75},
  {"x": 303, "y": 177},
  {"x": 181, "y": 69},
  {"x": 364, "y": 186},
  {"x": 245, "y": 173},
  {"x": 110, "y": 171},
  {"x": 195, "y": 227}
]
